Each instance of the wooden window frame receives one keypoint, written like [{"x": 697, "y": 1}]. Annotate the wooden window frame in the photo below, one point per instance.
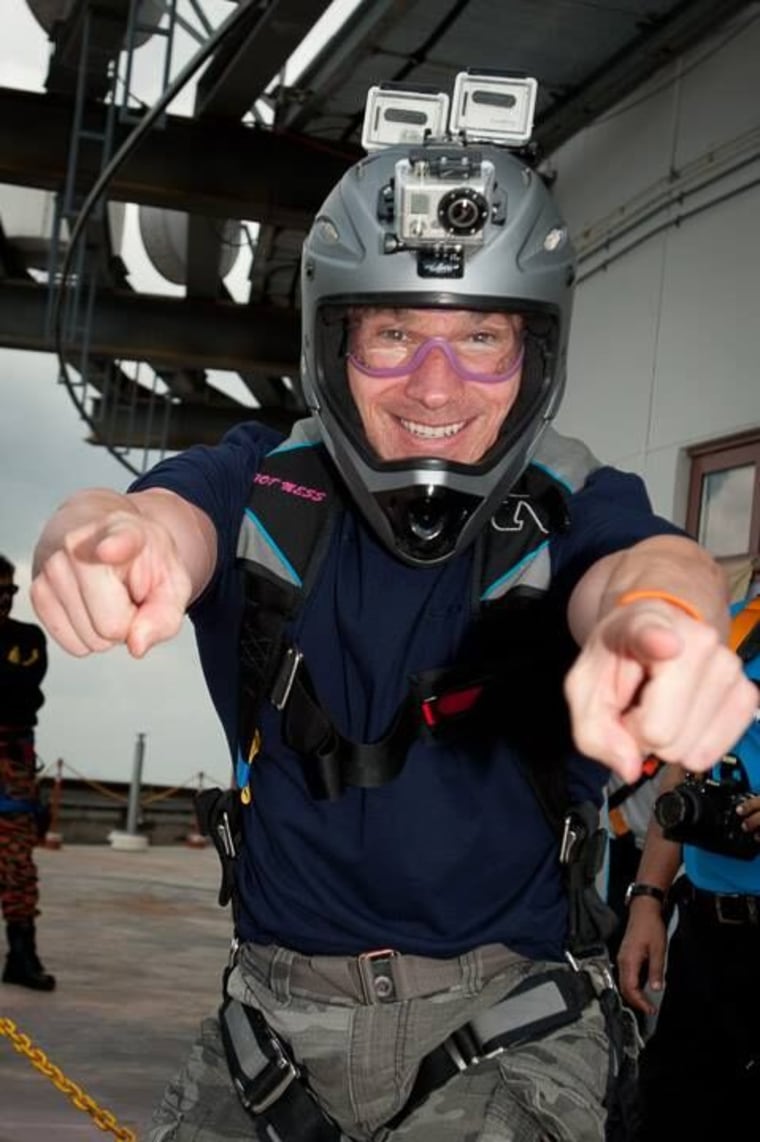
[{"x": 718, "y": 456}]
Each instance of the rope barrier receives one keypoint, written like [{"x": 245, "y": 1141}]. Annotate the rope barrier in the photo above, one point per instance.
[{"x": 150, "y": 799}]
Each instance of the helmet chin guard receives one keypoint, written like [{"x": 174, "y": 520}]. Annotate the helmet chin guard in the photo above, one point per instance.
[{"x": 366, "y": 248}]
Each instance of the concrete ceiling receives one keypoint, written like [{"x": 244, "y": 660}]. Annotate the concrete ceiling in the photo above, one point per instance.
[{"x": 218, "y": 164}]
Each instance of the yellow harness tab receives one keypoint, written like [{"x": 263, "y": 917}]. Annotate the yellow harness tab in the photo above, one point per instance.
[{"x": 255, "y": 747}]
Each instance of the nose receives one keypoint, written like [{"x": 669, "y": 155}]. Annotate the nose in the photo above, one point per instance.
[{"x": 435, "y": 381}]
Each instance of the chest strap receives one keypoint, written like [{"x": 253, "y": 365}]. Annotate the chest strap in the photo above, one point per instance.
[{"x": 332, "y": 762}]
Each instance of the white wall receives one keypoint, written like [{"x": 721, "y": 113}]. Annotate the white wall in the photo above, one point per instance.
[{"x": 662, "y": 196}]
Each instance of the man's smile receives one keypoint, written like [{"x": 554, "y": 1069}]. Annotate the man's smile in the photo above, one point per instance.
[{"x": 432, "y": 431}]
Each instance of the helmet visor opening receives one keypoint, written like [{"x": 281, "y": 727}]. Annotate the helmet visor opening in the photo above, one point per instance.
[{"x": 440, "y": 385}]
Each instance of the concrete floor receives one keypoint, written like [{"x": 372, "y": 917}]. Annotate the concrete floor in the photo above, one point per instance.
[{"x": 138, "y": 944}]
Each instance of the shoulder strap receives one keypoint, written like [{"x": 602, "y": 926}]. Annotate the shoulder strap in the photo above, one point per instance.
[
  {"x": 515, "y": 547},
  {"x": 283, "y": 537}
]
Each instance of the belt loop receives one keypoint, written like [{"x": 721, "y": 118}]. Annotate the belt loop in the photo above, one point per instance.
[
  {"x": 376, "y": 974},
  {"x": 280, "y": 972}
]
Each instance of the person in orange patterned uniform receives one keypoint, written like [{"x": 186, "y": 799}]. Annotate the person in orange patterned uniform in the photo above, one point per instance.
[{"x": 23, "y": 663}]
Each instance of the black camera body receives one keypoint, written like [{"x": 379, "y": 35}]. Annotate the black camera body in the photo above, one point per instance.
[{"x": 702, "y": 812}]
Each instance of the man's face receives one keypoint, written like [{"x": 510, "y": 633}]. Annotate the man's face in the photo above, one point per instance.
[
  {"x": 433, "y": 410},
  {"x": 7, "y": 591}
]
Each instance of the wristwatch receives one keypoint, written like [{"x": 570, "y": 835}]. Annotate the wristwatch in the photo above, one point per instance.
[{"x": 637, "y": 889}]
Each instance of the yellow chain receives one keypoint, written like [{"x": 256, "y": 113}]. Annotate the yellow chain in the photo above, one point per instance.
[{"x": 103, "y": 1119}]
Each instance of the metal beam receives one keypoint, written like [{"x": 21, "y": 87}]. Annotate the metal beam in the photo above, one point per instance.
[
  {"x": 166, "y": 332},
  {"x": 143, "y": 426},
  {"x": 244, "y": 173},
  {"x": 240, "y": 72}
]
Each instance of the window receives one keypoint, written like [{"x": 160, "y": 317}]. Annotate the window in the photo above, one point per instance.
[{"x": 724, "y": 498}]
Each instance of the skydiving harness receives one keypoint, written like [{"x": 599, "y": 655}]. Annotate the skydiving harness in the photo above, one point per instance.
[{"x": 287, "y": 526}]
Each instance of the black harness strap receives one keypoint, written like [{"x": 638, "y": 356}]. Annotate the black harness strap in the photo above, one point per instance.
[
  {"x": 332, "y": 762},
  {"x": 270, "y": 1086}
]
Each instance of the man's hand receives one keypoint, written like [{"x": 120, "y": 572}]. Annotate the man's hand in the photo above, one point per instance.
[
  {"x": 650, "y": 679},
  {"x": 644, "y": 945},
  {"x": 108, "y": 572},
  {"x": 749, "y": 811}
]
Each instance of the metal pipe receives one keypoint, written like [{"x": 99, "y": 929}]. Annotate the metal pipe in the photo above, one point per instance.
[{"x": 134, "y": 789}]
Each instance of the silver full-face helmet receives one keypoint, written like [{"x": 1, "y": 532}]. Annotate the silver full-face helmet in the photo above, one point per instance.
[{"x": 442, "y": 225}]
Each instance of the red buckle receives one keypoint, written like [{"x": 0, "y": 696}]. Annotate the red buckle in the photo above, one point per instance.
[
  {"x": 651, "y": 765},
  {"x": 450, "y": 705}
]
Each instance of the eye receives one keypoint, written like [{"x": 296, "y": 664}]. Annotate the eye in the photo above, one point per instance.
[{"x": 393, "y": 333}]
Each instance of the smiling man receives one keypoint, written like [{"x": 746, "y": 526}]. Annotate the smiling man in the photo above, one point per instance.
[{"x": 420, "y": 617}]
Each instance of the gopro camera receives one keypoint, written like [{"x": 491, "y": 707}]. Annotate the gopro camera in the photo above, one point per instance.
[
  {"x": 403, "y": 115},
  {"x": 443, "y": 195},
  {"x": 488, "y": 106},
  {"x": 495, "y": 108}
]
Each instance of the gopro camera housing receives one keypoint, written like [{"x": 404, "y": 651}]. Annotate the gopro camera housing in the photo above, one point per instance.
[
  {"x": 493, "y": 108},
  {"x": 396, "y": 115}
]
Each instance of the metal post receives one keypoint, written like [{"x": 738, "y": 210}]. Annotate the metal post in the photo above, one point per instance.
[{"x": 134, "y": 789}]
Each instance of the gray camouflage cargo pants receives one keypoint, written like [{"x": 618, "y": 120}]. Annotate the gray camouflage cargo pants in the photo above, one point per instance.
[{"x": 362, "y": 1035}]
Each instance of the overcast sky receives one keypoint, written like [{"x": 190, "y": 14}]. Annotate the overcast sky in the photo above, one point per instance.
[{"x": 94, "y": 707}]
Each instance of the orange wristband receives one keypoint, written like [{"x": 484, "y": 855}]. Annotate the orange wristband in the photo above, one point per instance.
[{"x": 653, "y": 593}]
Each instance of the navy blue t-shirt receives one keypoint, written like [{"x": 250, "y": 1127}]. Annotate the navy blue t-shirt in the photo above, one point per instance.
[{"x": 454, "y": 852}]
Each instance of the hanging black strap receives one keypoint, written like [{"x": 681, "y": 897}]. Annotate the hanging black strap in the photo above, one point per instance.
[{"x": 619, "y": 796}]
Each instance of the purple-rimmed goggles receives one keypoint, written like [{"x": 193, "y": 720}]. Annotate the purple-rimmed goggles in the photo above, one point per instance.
[{"x": 467, "y": 373}]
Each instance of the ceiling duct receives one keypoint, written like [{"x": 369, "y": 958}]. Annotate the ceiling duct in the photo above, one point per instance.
[
  {"x": 48, "y": 13},
  {"x": 164, "y": 236}
]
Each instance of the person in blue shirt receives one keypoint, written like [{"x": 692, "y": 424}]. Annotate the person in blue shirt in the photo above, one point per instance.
[
  {"x": 708, "y": 1022},
  {"x": 471, "y": 609}
]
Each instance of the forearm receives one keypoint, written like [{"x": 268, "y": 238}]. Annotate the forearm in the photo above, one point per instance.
[
  {"x": 673, "y": 564},
  {"x": 661, "y": 858}
]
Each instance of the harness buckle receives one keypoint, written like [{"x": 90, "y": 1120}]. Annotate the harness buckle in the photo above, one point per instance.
[
  {"x": 450, "y": 704},
  {"x": 375, "y": 969},
  {"x": 574, "y": 833},
  {"x": 274, "y": 1080},
  {"x": 285, "y": 677}
]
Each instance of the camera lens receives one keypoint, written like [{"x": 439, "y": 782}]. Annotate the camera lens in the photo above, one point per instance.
[
  {"x": 463, "y": 211},
  {"x": 672, "y": 809},
  {"x": 427, "y": 520}
]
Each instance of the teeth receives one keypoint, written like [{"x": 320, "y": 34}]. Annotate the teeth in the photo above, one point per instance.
[{"x": 432, "y": 432}]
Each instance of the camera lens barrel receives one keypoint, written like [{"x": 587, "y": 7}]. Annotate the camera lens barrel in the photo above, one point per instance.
[
  {"x": 671, "y": 809},
  {"x": 463, "y": 211}
]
